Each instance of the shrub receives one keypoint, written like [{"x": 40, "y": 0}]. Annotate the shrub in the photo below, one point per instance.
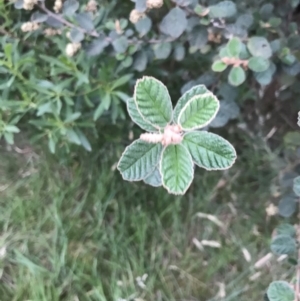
[{"x": 65, "y": 64}]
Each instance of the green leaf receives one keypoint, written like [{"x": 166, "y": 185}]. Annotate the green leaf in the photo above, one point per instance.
[
  {"x": 19, "y": 4},
  {"x": 234, "y": 47},
  {"x": 143, "y": 26},
  {"x": 162, "y": 50},
  {"x": 73, "y": 137},
  {"x": 283, "y": 245},
  {"x": 85, "y": 21},
  {"x": 287, "y": 206},
  {"x": 140, "y": 62},
  {"x": 38, "y": 17},
  {"x": 120, "y": 44},
  {"x": 139, "y": 160},
  {"x": 51, "y": 144},
  {"x": 187, "y": 96},
  {"x": 223, "y": 9},
  {"x": 259, "y": 46},
  {"x": 9, "y": 137},
  {"x": 97, "y": 46},
  {"x": 76, "y": 35},
  {"x": 137, "y": 118},
  {"x": 199, "y": 111},
  {"x": 153, "y": 101},
  {"x": 179, "y": 52},
  {"x": 218, "y": 66},
  {"x": 70, "y": 7},
  {"x": 84, "y": 141},
  {"x": 141, "y": 5},
  {"x": 258, "y": 64},
  {"x": 154, "y": 179},
  {"x": 121, "y": 81},
  {"x": 264, "y": 78},
  {"x": 209, "y": 150},
  {"x": 11, "y": 128},
  {"x": 296, "y": 186},
  {"x": 236, "y": 76},
  {"x": 176, "y": 169},
  {"x": 286, "y": 229},
  {"x": 280, "y": 291},
  {"x": 174, "y": 23}
]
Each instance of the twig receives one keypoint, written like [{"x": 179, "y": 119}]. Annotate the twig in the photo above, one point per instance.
[{"x": 62, "y": 20}]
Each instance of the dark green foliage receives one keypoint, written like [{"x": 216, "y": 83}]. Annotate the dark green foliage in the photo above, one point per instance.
[{"x": 111, "y": 40}]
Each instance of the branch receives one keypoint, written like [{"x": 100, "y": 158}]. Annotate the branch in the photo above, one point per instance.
[{"x": 64, "y": 21}]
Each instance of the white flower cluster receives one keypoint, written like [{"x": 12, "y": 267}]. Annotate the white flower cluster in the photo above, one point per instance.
[
  {"x": 29, "y": 26},
  {"x": 57, "y": 6},
  {"x": 51, "y": 32},
  {"x": 91, "y": 6},
  {"x": 154, "y": 3},
  {"x": 135, "y": 15},
  {"x": 72, "y": 48},
  {"x": 29, "y": 4}
]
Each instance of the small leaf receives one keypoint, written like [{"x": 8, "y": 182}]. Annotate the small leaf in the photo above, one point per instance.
[
  {"x": 137, "y": 118},
  {"x": 143, "y": 26},
  {"x": 234, "y": 47},
  {"x": 223, "y": 9},
  {"x": 209, "y": 150},
  {"x": 19, "y": 4},
  {"x": 139, "y": 160},
  {"x": 11, "y": 128},
  {"x": 198, "y": 111},
  {"x": 84, "y": 141},
  {"x": 219, "y": 66},
  {"x": 154, "y": 179},
  {"x": 176, "y": 169},
  {"x": 162, "y": 50},
  {"x": 258, "y": 64},
  {"x": 286, "y": 229},
  {"x": 140, "y": 61},
  {"x": 51, "y": 144},
  {"x": 280, "y": 291},
  {"x": 120, "y": 44},
  {"x": 121, "y": 81},
  {"x": 259, "y": 46},
  {"x": 198, "y": 37},
  {"x": 174, "y": 23},
  {"x": 264, "y": 78},
  {"x": 9, "y": 137},
  {"x": 296, "y": 186},
  {"x": 76, "y": 35},
  {"x": 54, "y": 22},
  {"x": 287, "y": 206},
  {"x": 283, "y": 245},
  {"x": 153, "y": 101},
  {"x": 73, "y": 137},
  {"x": 97, "y": 46},
  {"x": 38, "y": 17},
  {"x": 141, "y": 5},
  {"x": 70, "y": 7},
  {"x": 85, "y": 21},
  {"x": 236, "y": 76},
  {"x": 186, "y": 97},
  {"x": 179, "y": 52},
  {"x": 228, "y": 110}
]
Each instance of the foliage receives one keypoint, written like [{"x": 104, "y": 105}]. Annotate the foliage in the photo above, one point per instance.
[
  {"x": 286, "y": 242},
  {"x": 95, "y": 48},
  {"x": 166, "y": 156}
]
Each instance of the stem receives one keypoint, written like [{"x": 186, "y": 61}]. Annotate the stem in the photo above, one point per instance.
[
  {"x": 64, "y": 21},
  {"x": 298, "y": 269}
]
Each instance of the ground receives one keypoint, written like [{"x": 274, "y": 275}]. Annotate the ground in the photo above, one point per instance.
[{"x": 74, "y": 230}]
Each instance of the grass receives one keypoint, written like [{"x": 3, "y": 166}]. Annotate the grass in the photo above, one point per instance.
[{"x": 78, "y": 232}]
